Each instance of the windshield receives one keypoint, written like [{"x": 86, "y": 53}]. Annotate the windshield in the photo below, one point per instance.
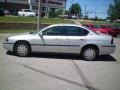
[
  {"x": 27, "y": 11},
  {"x": 35, "y": 32}
]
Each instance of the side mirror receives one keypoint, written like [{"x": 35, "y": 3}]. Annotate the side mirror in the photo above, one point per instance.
[{"x": 40, "y": 34}]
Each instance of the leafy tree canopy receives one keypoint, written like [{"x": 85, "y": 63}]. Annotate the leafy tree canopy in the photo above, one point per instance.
[
  {"x": 75, "y": 9},
  {"x": 114, "y": 10}
]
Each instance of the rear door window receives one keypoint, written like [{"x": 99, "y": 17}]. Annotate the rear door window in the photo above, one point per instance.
[{"x": 75, "y": 31}]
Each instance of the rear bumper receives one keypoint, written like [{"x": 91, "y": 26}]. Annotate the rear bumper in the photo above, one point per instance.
[{"x": 107, "y": 49}]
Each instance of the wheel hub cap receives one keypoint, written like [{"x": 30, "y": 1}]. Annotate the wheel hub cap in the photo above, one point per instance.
[
  {"x": 22, "y": 50},
  {"x": 90, "y": 53}
]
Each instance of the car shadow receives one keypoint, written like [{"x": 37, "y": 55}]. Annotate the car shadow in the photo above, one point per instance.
[
  {"x": 105, "y": 58},
  {"x": 67, "y": 56},
  {"x": 72, "y": 57}
]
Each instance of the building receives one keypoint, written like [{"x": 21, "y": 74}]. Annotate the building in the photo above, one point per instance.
[
  {"x": 13, "y": 4},
  {"x": 46, "y": 5}
]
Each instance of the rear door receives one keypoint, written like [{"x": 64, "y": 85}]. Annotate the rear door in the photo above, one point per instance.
[{"x": 75, "y": 37}]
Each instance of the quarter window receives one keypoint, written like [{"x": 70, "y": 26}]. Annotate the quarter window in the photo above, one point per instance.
[{"x": 85, "y": 32}]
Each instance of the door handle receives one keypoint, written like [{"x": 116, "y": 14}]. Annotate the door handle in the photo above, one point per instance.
[
  {"x": 55, "y": 39},
  {"x": 82, "y": 39}
]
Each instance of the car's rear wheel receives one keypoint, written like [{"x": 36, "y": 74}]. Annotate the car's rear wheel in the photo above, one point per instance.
[
  {"x": 22, "y": 49},
  {"x": 89, "y": 53}
]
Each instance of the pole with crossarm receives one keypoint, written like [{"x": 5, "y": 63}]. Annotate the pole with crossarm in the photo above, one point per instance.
[{"x": 39, "y": 15}]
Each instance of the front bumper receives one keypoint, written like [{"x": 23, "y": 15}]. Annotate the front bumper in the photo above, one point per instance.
[{"x": 8, "y": 46}]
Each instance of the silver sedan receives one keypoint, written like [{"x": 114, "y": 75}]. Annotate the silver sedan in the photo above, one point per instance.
[{"x": 61, "y": 38}]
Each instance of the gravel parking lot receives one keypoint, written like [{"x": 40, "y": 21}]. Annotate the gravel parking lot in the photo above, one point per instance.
[{"x": 59, "y": 72}]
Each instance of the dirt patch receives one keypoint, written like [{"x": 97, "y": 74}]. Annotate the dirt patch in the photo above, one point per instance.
[{"x": 18, "y": 26}]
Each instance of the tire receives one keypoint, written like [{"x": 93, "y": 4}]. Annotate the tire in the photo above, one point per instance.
[
  {"x": 89, "y": 53},
  {"x": 22, "y": 49}
]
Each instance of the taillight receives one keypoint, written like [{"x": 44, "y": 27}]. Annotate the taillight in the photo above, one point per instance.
[{"x": 112, "y": 41}]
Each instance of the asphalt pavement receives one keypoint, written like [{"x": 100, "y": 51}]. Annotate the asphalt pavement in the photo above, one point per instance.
[{"x": 58, "y": 72}]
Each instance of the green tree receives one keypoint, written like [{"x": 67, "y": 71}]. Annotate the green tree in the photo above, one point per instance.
[
  {"x": 52, "y": 13},
  {"x": 66, "y": 12},
  {"x": 96, "y": 18},
  {"x": 114, "y": 10},
  {"x": 55, "y": 12},
  {"x": 86, "y": 17},
  {"x": 75, "y": 9},
  {"x": 58, "y": 12}
]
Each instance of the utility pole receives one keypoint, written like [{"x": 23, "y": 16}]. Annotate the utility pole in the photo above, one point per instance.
[
  {"x": 6, "y": 4},
  {"x": 46, "y": 12},
  {"x": 95, "y": 12},
  {"x": 85, "y": 10},
  {"x": 64, "y": 9},
  {"x": 39, "y": 15}
]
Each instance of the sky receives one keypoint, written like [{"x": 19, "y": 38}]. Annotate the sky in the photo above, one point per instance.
[{"x": 92, "y": 6}]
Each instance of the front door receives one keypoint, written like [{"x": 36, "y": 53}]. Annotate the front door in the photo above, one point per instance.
[{"x": 51, "y": 39}]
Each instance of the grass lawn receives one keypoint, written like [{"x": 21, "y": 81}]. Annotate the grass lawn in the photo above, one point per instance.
[{"x": 16, "y": 19}]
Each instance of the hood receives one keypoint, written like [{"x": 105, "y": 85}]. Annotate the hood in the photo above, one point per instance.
[
  {"x": 24, "y": 36},
  {"x": 29, "y": 12}
]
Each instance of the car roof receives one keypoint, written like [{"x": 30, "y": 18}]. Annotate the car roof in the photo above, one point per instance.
[
  {"x": 53, "y": 25},
  {"x": 65, "y": 25},
  {"x": 25, "y": 9}
]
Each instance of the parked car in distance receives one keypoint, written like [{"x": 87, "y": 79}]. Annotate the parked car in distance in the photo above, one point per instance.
[
  {"x": 26, "y": 12},
  {"x": 113, "y": 31},
  {"x": 117, "y": 21},
  {"x": 6, "y": 12},
  {"x": 2, "y": 12},
  {"x": 61, "y": 38},
  {"x": 72, "y": 16},
  {"x": 95, "y": 28},
  {"x": 14, "y": 12}
]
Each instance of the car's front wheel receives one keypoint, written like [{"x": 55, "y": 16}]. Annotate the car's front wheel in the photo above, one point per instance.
[
  {"x": 22, "y": 49},
  {"x": 89, "y": 53}
]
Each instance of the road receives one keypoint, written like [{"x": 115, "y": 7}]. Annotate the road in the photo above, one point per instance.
[{"x": 59, "y": 72}]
